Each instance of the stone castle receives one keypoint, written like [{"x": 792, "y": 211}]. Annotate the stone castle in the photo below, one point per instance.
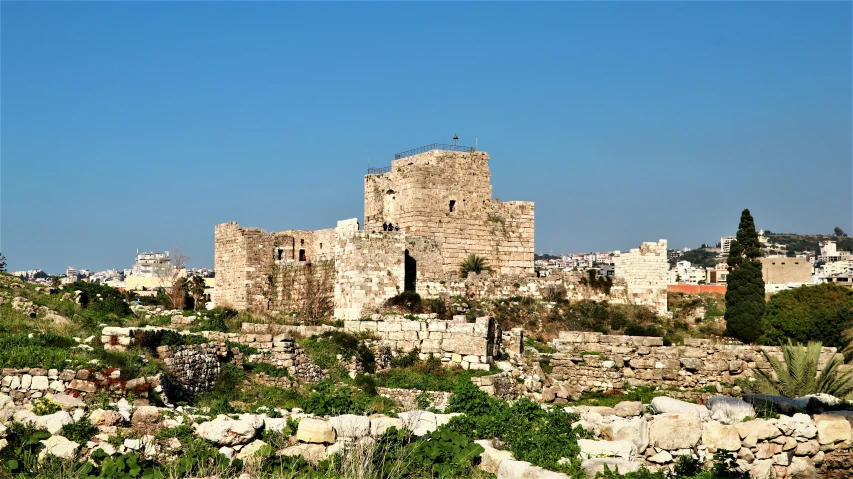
[
  {"x": 438, "y": 201},
  {"x": 440, "y": 204}
]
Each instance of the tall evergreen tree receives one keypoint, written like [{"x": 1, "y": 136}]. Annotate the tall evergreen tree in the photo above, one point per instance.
[{"x": 744, "y": 285}]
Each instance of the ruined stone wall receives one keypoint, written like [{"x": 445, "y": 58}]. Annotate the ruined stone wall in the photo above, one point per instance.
[
  {"x": 280, "y": 351},
  {"x": 645, "y": 271},
  {"x": 597, "y": 362},
  {"x": 457, "y": 342},
  {"x": 369, "y": 270},
  {"x": 307, "y": 288},
  {"x": 190, "y": 369},
  {"x": 448, "y": 196},
  {"x": 24, "y": 385},
  {"x": 558, "y": 284}
]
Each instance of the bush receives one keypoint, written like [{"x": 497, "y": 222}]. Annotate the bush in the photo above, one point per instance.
[
  {"x": 407, "y": 301},
  {"x": 45, "y": 406},
  {"x": 809, "y": 313},
  {"x": 101, "y": 298},
  {"x": 80, "y": 432}
]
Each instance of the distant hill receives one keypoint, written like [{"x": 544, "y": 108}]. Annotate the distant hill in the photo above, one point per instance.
[
  {"x": 796, "y": 242},
  {"x": 703, "y": 257},
  {"x": 545, "y": 257}
]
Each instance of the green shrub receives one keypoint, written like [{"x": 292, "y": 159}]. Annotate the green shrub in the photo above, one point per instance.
[
  {"x": 809, "y": 313},
  {"x": 80, "y": 432},
  {"x": 268, "y": 369}
]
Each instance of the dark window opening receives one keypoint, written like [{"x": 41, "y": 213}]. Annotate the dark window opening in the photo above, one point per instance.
[
  {"x": 302, "y": 242},
  {"x": 321, "y": 245},
  {"x": 452, "y": 205},
  {"x": 280, "y": 252},
  {"x": 302, "y": 255}
]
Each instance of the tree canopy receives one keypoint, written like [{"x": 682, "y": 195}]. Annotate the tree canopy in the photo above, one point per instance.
[
  {"x": 745, "y": 286},
  {"x": 810, "y": 313}
]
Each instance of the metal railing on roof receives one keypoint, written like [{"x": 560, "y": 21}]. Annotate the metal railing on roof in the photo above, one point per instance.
[
  {"x": 378, "y": 171},
  {"x": 434, "y": 146}
]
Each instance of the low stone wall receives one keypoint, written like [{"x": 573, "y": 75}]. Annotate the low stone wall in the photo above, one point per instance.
[
  {"x": 276, "y": 329},
  {"x": 502, "y": 385},
  {"x": 27, "y": 384},
  {"x": 798, "y": 446},
  {"x": 121, "y": 339},
  {"x": 413, "y": 399},
  {"x": 191, "y": 369},
  {"x": 457, "y": 342},
  {"x": 280, "y": 351},
  {"x": 598, "y": 362}
]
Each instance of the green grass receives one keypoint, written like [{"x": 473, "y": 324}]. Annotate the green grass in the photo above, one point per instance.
[
  {"x": 427, "y": 375},
  {"x": 644, "y": 394},
  {"x": 538, "y": 345}
]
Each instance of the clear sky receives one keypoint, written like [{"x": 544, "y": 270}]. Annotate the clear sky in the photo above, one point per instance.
[{"x": 142, "y": 125}]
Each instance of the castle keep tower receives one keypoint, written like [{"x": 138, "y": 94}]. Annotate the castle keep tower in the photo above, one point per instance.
[{"x": 442, "y": 200}]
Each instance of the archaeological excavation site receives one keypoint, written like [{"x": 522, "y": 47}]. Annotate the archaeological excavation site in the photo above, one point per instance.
[{"x": 419, "y": 341}]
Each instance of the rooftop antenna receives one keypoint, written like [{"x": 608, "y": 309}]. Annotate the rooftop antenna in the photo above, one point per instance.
[{"x": 455, "y": 138}]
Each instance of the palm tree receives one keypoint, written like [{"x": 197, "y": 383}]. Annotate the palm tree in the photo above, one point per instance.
[
  {"x": 196, "y": 289},
  {"x": 473, "y": 264},
  {"x": 798, "y": 374}
]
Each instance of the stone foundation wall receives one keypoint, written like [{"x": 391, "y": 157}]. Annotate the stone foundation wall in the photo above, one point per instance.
[
  {"x": 414, "y": 399},
  {"x": 280, "y": 351},
  {"x": 598, "y": 362},
  {"x": 191, "y": 369},
  {"x": 469, "y": 345},
  {"x": 27, "y": 384}
]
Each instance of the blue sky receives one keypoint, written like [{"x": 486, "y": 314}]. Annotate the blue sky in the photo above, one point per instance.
[{"x": 142, "y": 125}]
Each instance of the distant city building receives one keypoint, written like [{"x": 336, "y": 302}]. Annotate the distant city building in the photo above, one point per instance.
[
  {"x": 152, "y": 270},
  {"x": 717, "y": 275},
  {"x": 726, "y": 243},
  {"x": 829, "y": 252},
  {"x": 779, "y": 271}
]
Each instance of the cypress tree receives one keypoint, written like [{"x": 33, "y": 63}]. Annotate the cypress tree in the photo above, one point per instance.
[{"x": 744, "y": 285}]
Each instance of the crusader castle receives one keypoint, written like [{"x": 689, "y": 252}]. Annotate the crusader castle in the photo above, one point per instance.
[{"x": 439, "y": 200}]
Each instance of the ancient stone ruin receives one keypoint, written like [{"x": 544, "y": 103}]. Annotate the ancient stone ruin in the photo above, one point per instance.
[{"x": 423, "y": 216}]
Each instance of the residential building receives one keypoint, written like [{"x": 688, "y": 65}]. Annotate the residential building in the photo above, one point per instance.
[{"x": 726, "y": 243}]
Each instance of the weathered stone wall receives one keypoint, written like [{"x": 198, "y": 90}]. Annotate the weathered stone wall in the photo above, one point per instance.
[
  {"x": 645, "y": 271},
  {"x": 369, "y": 270},
  {"x": 469, "y": 345},
  {"x": 302, "y": 286},
  {"x": 447, "y": 196},
  {"x": 280, "y": 351},
  {"x": 191, "y": 369},
  {"x": 414, "y": 399},
  {"x": 27, "y": 384},
  {"x": 558, "y": 284},
  {"x": 596, "y": 362}
]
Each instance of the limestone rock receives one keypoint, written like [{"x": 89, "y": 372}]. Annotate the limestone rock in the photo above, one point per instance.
[
  {"x": 146, "y": 416},
  {"x": 832, "y": 428},
  {"x": 312, "y": 453},
  {"x": 622, "y": 449},
  {"x": 635, "y": 430},
  {"x": 629, "y": 408},
  {"x": 662, "y": 457},
  {"x": 378, "y": 425},
  {"x": 673, "y": 431},
  {"x": 666, "y": 405},
  {"x": 512, "y": 469},
  {"x": 52, "y": 422},
  {"x": 719, "y": 436},
  {"x": 100, "y": 417},
  {"x": 315, "y": 431},
  {"x": 732, "y": 409},
  {"x": 67, "y": 402},
  {"x": 491, "y": 458},
  {"x": 224, "y": 431},
  {"x": 762, "y": 469},
  {"x": 250, "y": 449},
  {"x": 350, "y": 425},
  {"x": 757, "y": 430},
  {"x": 60, "y": 447},
  {"x": 594, "y": 466},
  {"x": 419, "y": 422},
  {"x": 802, "y": 468}
]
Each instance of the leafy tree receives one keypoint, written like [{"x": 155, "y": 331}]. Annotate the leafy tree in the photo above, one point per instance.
[
  {"x": 473, "y": 264},
  {"x": 55, "y": 282},
  {"x": 810, "y": 313},
  {"x": 745, "y": 286},
  {"x": 839, "y": 232},
  {"x": 798, "y": 373},
  {"x": 2, "y": 263},
  {"x": 196, "y": 289}
]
